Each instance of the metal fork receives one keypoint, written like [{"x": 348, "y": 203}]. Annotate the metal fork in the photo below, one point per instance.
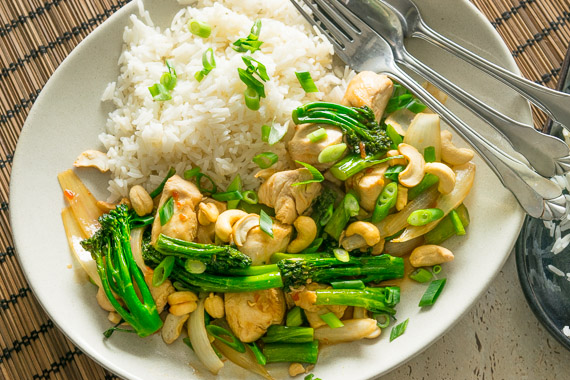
[{"x": 362, "y": 49}]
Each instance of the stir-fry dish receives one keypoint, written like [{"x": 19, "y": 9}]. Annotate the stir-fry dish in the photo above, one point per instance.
[{"x": 368, "y": 191}]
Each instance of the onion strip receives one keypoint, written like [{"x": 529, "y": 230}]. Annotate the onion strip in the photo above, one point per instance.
[
  {"x": 136, "y": 248},
  {"x": 464, "y": 176},
  {"x": 200, "y": 341},
  {"x": 245, "y": 360}
]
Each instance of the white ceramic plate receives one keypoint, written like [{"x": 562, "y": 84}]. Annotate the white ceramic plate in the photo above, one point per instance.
[{"x": 66, "y": 120}]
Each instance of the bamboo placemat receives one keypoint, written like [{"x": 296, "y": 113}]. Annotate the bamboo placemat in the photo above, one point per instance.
[{"x": 36, "y": 35}]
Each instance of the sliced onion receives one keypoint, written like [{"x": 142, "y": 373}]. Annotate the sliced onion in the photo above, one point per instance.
[
  {"x": 245, "y": 360},
  {"x": 353, "y": 329},
  {"x": 74, "y": 236},
  {"x": 398, "y": 221},
  {"x": 464, "y": 176},
  {"x": 400, "y": 120},
  {"x": 401, "y": 249},
  {"x": 424, "y": 131},
  {"x": 201, "y": 342},
  {"x": 136, "y": 248}
]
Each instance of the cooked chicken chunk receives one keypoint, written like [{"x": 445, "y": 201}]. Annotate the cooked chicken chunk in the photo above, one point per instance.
[
  {"x": 288, "y": 201},
  {"x": 159, "y": 293},
  {"x": 302, "y": 149},
  {"x": 260, "y": 246},
  {"x": 183, "y": 223},
  {"x": 369, "y": 89},
  {"x": 305, "y": 298},
  {"x": 250, "y": 314},
  {"x": 368, "y": 184}
]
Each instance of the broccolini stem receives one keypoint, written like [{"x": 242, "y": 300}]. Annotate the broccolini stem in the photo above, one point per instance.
[
  {"x": 292, "y": 352},
  {"x": 376, "y": 300}
]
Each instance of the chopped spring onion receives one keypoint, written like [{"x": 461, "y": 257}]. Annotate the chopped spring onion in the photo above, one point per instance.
[
  {"x": 233, "y": 186},
  {"x": 436, "y": 269},
  {"x": 265, "y": 160},
  {"x": 424, "y": 216},
  {"x": 288, "y": 334},
  {"x": 341, "y": 254},
  {"x": 317, "y": 176},
  {"x": 315, "y": 245},
  {"x": 398, "y": 330},
  {"x": 416, "y": 106},
  {"x": 261, "y": 359},
  {"x": 251, "y": 42},
  {"x": 432, "y": 292},
  {"x": 195, "y": 266},
  {"x": 421, "y": 275},
  {"x": 294, "y": 317},
  {"x": 251, "y": 82},
  {"x": 429, "y": 154},
  {"x": 168, "y": 79},
  {"x": 209, "y": 63},
  {"x": 199, "y": 28},
  {"x": 265, "y": 131},
  {"x": 158, "y": 190},
  {"x": 166, "y": 211},
  {"x": 428, "y": 181},
  {"x": 252, "y": 100},
  {"x": 159, "y": 92},
  {"x": 255, "y": 67},
  {"x": 393, "y": 172},
  {"x": 394, "y": 136},
  {"x": 385, "y": 201},
  {"x": 457, "y": 224},
  {"x": 353, "y": 163},
  {"x": 317, "y": 135},
  {"x": 250, "y": 197},
  {"x": 219, "y": 333},
  {"x": 306, "y": 81},
  {"x": 228, "y": 196},
  {"x": 332, "y": 153},
  {"x": 162, "y": 271},
  {"x": 276, "y": 133},
  {"x": 445, "y": 228},
  {"x": 332, "y": 320},
  {"x": 211, "y": 190},
  {"x": 266, "y": 223},
  {"x": 292, "y": 352},
  {"x": 189, "y": 174},
  {"x": 403, "y": 98},
  {"x": 382, "y": 320},
  {"x": 348, "y": 284}
]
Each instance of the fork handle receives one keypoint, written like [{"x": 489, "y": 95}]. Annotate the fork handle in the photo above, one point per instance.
[
  {"x": 538, "y": 196},
  {"x": 553, "y": 102},
  {"x": 547, "y": 154}
]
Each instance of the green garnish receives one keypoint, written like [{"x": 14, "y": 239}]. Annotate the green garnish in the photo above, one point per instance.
[
  {"x": 251, "y": 42},
  {"x": 158, "y": 190},
  {"x": 398, "y": 330},
  {"x": 403, "y": 98},
  {"x": 457, "y": 224},
  {"x": 265, "y": 160},
  {"x": 432, "y": 292},
  {"x": 393, "y": 172},
  {"x": 234, "y": 185},
  {"x": 161, "y": 91},
  {"x": 199, "y": 28},
  {"x": 219, "y": 333},
  {"x": 294, "y": 317},
  {"x": 394, "y": 136},
  {"x": 209, "y": 63},
  {"x": 331, "y": 153},
  {"x": 166, "y": 211},
  {"x": 317, "y": 176},
  {"x": 255, "y": 87},
  {"x": 234, "y": 195},
  {"x": 266, "y": 223},
  {"x": 332, "y": 320},
  {"x": 421, "y": 275},
  {"x": 429, "y": 154},
  {"x": 162, "y": 271},
  {"x": 424, "y": 216},
  {"x": 341, "y": 255},
  {"x": 306, "y": 81},
  {"x": 250, "y": 197},
  {"x": 385, "y": 201},
  {"x": 317, "y": 135}
]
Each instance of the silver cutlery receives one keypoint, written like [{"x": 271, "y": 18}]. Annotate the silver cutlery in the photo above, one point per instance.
[
  {"x": 363, "y": 49},
  {"x": 556, "y": 104},
  {"x": 546, "y": 154}
]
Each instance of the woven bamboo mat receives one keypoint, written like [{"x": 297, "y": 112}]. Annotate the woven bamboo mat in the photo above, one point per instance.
[{"x": 36, "y": 35}]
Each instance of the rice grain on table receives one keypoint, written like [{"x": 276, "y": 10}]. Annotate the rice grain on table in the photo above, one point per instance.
[{"x": 206, "y": 123}]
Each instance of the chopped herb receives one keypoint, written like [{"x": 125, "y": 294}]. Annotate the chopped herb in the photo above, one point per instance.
[
  {"x": 250, "y": 197},
  {"x": 162, "y": 271},
  {"x": 317, "y": 176},
  {"x": 341, "y": 255},
  {"x": 265, "y": 160},
  {"x": 277, "y": 132},
  {"x": 251, "y": 43},
  {"x": 432, "y": 292},
  {"x": 161, "y": 91},
  {"x": 266, "y": 223},
  {"x": 306, "y": 81},
  {"x": 255, "y": 87},
  {"x": 394, "y": 136},
  {"x": 332, "y": 320},
  {"x": 199, "y": 28},
  {"x": 166, "y": 211},
  {"x": 234, "y": 185},
  {"x": 252, "y": 100},
  {"x": 255, "y": 67},
  {"x": 457, "y": 224},
  {"x": 429, "y": 154},
  {"x": 228, "y": 196},
  {"x": 158, "y": 190},
  {"x": 382, "y": 320},
  {"x": 393, "y": 172},
  {"x": 436, "y": 269},
  {"x": 317, "y": 135},
  {"x": 403, "y": 98},
  {"x": 209, "y": 63},
  {"x": 265, "y": 131},
  {"x": 398, "y": 330},
  {"x": 421, "y": 275}
]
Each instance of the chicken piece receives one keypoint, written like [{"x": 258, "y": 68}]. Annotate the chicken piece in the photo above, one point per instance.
[
  {"x": 159, "y": 293},
  {"x": 302, "y": 149},
  {"x": 369, "y": 89},
  {"x": 368, "y": 184},
  {"x": 260, "y": 246},
  {"x": 288, "y": 201},
  {"x": 183, "y": 224},
  {"x": 206, "y": 234},
  {"x": 250, "y": 314},
  {"x": 305, "y": 298}
]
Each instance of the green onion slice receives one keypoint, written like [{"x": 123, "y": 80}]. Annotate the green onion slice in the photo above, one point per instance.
[
  {"x": 432, "y": 292},
  {"x": 331, "y": 153},
  {"x": 199, "y": 75},
  {"x": 348, "y": 284},
  {"x": 277, "y": 132},
  {"x": 251, "y": 82},
  {"x": 429, "y": 154},
  {"x": 341, "y": 254},
  {"x": 398, "y": 330},
  {"x": 250, "y": 197},
  {"x": 261, "y": 359},
  {"x": 252, "y": 100},
  {"x": 163, "y": 271},
  {"x": 233, "y": 186},
  {"x": 394, "y": 136},
  {"x": 159, "y": 92},
  {"x": 199, "y": 28},
  {"x": 424, "y": 216},
  {"x": 219, "y": 333},
  {"x": 421, "y": 275},
  {"x": 265, "y": 131},
  {"x": 436, "y": 269},
  {"x": 194, "y": 266},
  {"x": 266, "y": 223},
  {"x": 317, "y": 176},
  {"x": 208, "y": 60},
  {"x": 254, "y": 66},
  {"x": 317, "y": 135},
  {"x": 158, "y": 190},
  {"x": 294, "y": 317},
  {"x": 235, "y": 195},
  {"x": 166, "y": 211},
  {"x": 382, "y": 320},
  {"x": 457, "y": 224},
  {"x": 393, "y": 172},
  {"x": 306, "y": 81},
  {"x": 332, "y": 320},
  {"x": 251, "y": 42},
  {"x": 211, "y": 190},
  {"x": 191, "y": 173},
  {"x": 265, "y": 160}
]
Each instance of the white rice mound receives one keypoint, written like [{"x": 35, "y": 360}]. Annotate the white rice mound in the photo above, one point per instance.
[{"x": 206, "y": 123}]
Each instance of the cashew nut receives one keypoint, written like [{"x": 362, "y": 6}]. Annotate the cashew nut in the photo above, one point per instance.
[
  {"x": 225, "y": 222},
  {"x": 214, "y": 306},
  {"x": 306, "y": 233},
  {"x": 141, "y": 200},
  {"x": 402, "y": 199},
  {"x": 94, "y": 159},
  {"x": 395, "y": 161},
  {"x": 106, "y": 206},
  {"x": 428, "y": 255},
  {"x": 182, "y": 303},
  {"x": 242, "y": 227},
  {"x": 414, "y": 171},
  {"x": 365, "y": 229},
  {"x": 207, "y": 213},
  {"x": 296, "y": 369},
  {"x": 114, "y": 317},
  {"x": 445, "y": 174},
  {"x": 378, "y": 248},
  {"x": 450, "y": 153},
  {"x": 172, "y": 327}
]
